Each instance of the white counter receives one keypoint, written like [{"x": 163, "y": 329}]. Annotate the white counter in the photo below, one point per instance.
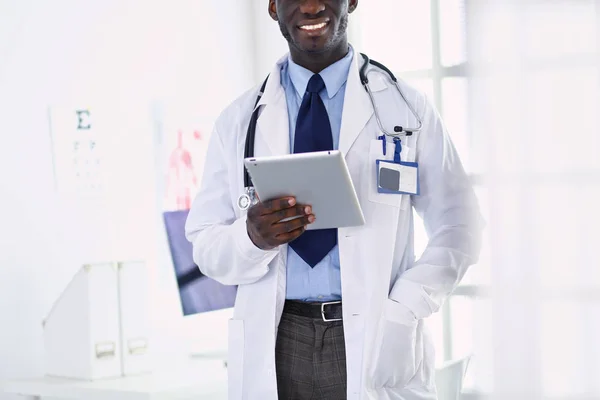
[{"x": 196, "y": 379}]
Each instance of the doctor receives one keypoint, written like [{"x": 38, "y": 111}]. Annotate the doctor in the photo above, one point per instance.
[{"x": 340, "y": 313}]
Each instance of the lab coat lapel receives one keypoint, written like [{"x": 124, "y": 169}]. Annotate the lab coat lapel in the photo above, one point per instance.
[
  {"x": 272, "y": 133},
  {"x": 357, "y": 107}
]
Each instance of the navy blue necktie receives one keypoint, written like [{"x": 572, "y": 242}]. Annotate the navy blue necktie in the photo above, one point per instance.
[{"x": 313, "y": 133}]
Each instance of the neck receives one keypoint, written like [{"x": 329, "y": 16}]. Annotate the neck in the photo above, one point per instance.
[{"x": 317, "y": 62}]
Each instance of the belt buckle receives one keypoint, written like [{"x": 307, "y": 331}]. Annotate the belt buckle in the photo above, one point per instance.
[{"x": 323, "y": 311}]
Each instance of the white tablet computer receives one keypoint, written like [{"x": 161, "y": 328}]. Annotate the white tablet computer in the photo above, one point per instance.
[{"x": 320, "y": 179}]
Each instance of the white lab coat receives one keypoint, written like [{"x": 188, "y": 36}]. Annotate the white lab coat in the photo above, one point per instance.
[{"x": 386, "y": 293}]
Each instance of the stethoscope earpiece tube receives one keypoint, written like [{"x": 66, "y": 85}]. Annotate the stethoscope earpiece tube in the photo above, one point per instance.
[
  {"x": 251, "y": 133},
  {"x": 249, "y": 150},
  {"x": 398, "y": 130},
  {"x": 386, "y": 69},
  {"x": 363, "y": 71},
  {"x": 249, "y": 197}
]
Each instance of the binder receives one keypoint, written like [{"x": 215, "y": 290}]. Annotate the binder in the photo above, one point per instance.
[
  {"x": 82, "y": 330},
  {"x": 134, "y": 318}
]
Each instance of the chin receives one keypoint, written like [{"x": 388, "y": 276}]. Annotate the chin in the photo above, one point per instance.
[{"x": 315, "y": 48}]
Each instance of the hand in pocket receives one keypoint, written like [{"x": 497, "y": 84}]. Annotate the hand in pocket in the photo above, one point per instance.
[{"x": 395, "y": 354}]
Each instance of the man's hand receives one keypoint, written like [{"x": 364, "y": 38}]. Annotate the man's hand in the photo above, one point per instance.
[{"x": 264, "y": 225}]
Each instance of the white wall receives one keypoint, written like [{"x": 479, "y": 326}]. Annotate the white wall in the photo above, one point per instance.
[
  {"x": 124, "y": 54},
  {"x": 269, "y": 44}
]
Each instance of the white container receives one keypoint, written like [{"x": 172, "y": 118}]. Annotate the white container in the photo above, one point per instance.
[
  {"x": 135, "y": 327},
  {"x": 82, "y": 330}
]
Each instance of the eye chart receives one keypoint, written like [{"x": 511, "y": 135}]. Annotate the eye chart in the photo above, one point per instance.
[{"x": 77, "y": 151}]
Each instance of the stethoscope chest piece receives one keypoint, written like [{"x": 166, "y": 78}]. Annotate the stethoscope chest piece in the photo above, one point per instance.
[{"x": 248, "y": 199}]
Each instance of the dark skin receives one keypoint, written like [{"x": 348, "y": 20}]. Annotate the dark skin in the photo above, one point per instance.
[
  {"x": 316, "y": 31},
  {"x": 314, "y": 49}
]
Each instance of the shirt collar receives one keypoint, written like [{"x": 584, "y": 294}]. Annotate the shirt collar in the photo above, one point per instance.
[{"x": 334, "y": 76}]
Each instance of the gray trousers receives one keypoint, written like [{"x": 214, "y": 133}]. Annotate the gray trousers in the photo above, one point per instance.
[{"x": 310, "y": 359}]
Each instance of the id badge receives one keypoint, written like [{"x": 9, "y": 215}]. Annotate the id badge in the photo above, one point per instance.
[{"x": 397, "y": 176}]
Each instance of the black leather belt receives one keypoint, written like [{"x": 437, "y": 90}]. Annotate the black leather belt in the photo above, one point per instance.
[{"x": 328, "y": 312}]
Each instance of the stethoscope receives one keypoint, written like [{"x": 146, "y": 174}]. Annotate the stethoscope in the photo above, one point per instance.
[{"x": 249, "y": 198}]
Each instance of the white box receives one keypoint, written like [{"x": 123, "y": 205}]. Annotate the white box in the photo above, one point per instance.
[
  {"x": 82, "y": 332},
  {"x": 133, "y": 300}
]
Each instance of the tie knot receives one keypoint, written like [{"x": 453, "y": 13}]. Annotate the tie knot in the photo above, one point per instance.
[{"x": 316, "y": 84}]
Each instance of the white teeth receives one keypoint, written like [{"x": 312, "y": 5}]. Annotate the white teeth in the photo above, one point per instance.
[{"x": 313, "y": 27}]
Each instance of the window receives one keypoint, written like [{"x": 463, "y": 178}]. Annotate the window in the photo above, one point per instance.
[
  {"x": 557, "y": 168},
  {"x": 549, "y": 53}
]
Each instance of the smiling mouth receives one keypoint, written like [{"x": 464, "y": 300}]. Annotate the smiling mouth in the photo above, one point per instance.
[{"x": 314, "y": 27}]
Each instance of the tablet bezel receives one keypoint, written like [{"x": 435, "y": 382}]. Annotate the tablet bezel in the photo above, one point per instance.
[{"x": 320, "y": 179}]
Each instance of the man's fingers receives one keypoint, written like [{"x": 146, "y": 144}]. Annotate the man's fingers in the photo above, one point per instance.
[
  {"x": 280, "y": 221},
  {"x": 271, "y": 206},
  {"x": 291, "y": 225},
  {"x": 295, "y": 211},
  {"x": 289, "y": 236}
]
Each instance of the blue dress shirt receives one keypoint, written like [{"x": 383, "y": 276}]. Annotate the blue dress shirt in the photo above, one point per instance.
[{"x": 323, "y": 282}]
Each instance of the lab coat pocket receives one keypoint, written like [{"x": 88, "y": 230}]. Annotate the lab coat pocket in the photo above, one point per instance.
[
  {"x": 395, "y": 361},
  {"x": 235, "y": 359},
  {"x": 376, "y": 153}
]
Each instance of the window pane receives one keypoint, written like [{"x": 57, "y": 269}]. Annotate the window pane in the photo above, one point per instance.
[
  {"x": 452, "y": 32},
  {"x": 563, "y": 227},
  {"x": 591, "y": 331},
  {"x": 471, "y": 320},
  {"x": 397, "y": 33},
  {"x": 461, "y": 312},
  {"x": 564, "y": 339},
  {"x": 425, "y": 85},
  {"x": 563, "y": 27},
  {"x": 435, "y": 326},
  {"x": 564, "y": 125},
  {"x": 455, "y": 106}
]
